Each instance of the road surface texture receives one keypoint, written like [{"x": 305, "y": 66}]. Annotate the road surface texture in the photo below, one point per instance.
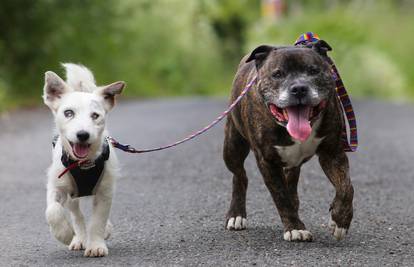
[{"x": 170, "y": 206}]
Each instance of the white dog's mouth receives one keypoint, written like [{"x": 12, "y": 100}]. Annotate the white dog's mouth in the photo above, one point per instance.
[
  {"x": 297, "y": 119},
  {"x": 80, "y": 150}
]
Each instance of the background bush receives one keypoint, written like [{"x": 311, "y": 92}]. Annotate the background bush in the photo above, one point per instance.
[{"x": 176, "y": 47}]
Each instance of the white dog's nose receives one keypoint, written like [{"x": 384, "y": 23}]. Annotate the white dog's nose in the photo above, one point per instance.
[{"x": 82, "y": 136}]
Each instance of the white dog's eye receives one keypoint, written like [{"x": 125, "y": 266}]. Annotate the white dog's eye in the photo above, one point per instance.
[
  {"x": 69, "y": 113},
  {"x": 94, "y": 116}
]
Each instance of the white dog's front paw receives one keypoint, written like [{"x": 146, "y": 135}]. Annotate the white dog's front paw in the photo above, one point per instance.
[
  {"x": 238, "y": 223},
  {"x": 59, "y": 226},
  {"x": 338, "y": 232},
  {"x": 77, "y": 243},
  {"x": 96, "y": 249},
  {"x": 298, "y": 235}
]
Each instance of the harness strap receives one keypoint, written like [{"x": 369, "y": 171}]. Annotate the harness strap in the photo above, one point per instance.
[
  {"x": 310, "y": 38},
  {"x": 72, "y": 166},
  {"x": 85, "y": 174}
]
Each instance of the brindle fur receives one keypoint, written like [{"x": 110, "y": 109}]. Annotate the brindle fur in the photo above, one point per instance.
[{"x": 250, "y": 126}]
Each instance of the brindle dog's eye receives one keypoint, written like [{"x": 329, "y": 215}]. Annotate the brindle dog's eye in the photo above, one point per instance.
[
  {"x": 277, "y": 74},
  {"x": 94, "y": 116},
  {"x": 314, "y": 71},
  {"x": 68, "y": 113}
]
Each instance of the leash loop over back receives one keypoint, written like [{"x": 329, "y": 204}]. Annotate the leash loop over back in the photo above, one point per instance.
[{"x": 349, "y": 146}]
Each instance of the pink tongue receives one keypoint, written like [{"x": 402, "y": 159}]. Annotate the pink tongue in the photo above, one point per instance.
[
  {"x": 80, "y": 151},
  {"x": 298, "y": 125}
]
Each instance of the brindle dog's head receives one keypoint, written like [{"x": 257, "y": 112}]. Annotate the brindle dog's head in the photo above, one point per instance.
[{"x": 295, "y": 84}]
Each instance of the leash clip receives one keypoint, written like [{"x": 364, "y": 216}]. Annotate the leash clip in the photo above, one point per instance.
[{"x": 123, "y": 147}]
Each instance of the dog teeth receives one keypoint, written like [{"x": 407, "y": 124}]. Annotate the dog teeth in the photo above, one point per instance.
[{"x": 285, "y": 114}]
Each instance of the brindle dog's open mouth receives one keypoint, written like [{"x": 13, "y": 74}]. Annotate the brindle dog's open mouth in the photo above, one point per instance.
[
  {"x": 80, "y": 150},
  {"x": 297, "y": 119}
]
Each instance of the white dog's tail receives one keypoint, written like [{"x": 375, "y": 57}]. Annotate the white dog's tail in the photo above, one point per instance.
[{"x": 79, "y": 77}]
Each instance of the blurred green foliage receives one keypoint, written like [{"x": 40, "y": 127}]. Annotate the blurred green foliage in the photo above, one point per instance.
[
  {"x": 176, "y": 47},
  {"x": 36, "y": 35}
]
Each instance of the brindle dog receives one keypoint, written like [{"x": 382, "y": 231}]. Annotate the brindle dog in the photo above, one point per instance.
[{"x": 290, "y": 114}]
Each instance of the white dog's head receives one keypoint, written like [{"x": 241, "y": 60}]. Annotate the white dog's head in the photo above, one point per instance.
[{"x": 80, "y": 108}]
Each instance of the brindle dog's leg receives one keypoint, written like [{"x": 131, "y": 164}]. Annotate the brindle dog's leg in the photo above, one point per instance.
[
  {"x": 284, "y": 195},
  {"x": 235, "y": 152},
  {"x": 292, "y": 179},
  {"x": 336, "y": 168}
]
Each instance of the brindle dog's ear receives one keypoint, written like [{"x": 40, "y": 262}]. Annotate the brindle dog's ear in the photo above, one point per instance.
[
  {"x": 321, "y": 47},
  {"x": 259, "y": 54}
]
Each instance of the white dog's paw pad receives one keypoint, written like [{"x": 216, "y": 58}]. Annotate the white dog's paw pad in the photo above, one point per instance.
[
  {"x": 338, "y": 232},
  {"x": 236, "y": 223},
  {"x": 298, "y": 235},
  {"x": 76, "y": 244},
  {"x": 97, "y": 250}
]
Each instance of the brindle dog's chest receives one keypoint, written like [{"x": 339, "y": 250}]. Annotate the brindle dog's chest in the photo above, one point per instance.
[{"x": 296, "y": 154}]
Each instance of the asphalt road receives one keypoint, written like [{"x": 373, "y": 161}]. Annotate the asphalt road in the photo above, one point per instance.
[{"x": 170, "y": 206}]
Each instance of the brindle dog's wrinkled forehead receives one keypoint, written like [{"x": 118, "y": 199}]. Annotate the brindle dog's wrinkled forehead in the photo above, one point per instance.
[
  {"x": 290, "y": 57},
  {"x": 294, "y": 59}
]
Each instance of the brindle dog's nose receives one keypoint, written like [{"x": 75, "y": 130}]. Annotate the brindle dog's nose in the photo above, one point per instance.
[
  {"x": 83, "y": 136},
  {"x": 299, "y": 90}
]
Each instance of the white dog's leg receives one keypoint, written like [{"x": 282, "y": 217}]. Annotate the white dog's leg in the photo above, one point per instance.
[
  {"x": 59, "y": 225},
  {"x": 108, "y": 230},
  {"x": 79, "y": 240},
  {"x": 96, "y": 246}
]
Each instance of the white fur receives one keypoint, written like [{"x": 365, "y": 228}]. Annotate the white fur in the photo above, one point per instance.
[
  {"x": 81, "y": 95},
  {"x": 338, "y": 232},
  {"x": 237, "y": 223},
  {"x": 294, "y": 155},
  {"x": 79, "y": 77},
  {"x": 314, "y": 93},
  {"x": 298, "y": 235}
]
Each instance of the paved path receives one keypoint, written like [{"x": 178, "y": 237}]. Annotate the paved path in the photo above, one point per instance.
[{"x": 170, "y": 206}]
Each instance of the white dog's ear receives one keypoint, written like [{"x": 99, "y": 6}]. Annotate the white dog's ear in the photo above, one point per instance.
[
  {"x": 54, "y": 88},
  {"x": 108, "y": 92}
]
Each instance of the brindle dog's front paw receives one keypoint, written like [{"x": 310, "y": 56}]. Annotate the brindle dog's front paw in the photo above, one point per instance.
[
  {"x": 338, "y": 232},
  {"x": 96, "y": 249},
  {"x": 298, "y": 235},
  {"x": 236, "y": 223},
  {"x": 340, "y": 219}
]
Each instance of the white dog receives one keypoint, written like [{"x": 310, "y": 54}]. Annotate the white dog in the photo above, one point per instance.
[{"x": 83, "y": 161}]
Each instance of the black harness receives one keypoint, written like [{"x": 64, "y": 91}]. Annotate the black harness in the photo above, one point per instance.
[{"x": 87, "y": 175}]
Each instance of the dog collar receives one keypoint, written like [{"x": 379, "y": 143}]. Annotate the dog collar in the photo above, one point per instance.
[
  {"x": 309, "y": 39},
  {"x": 86, "y": 174}
]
